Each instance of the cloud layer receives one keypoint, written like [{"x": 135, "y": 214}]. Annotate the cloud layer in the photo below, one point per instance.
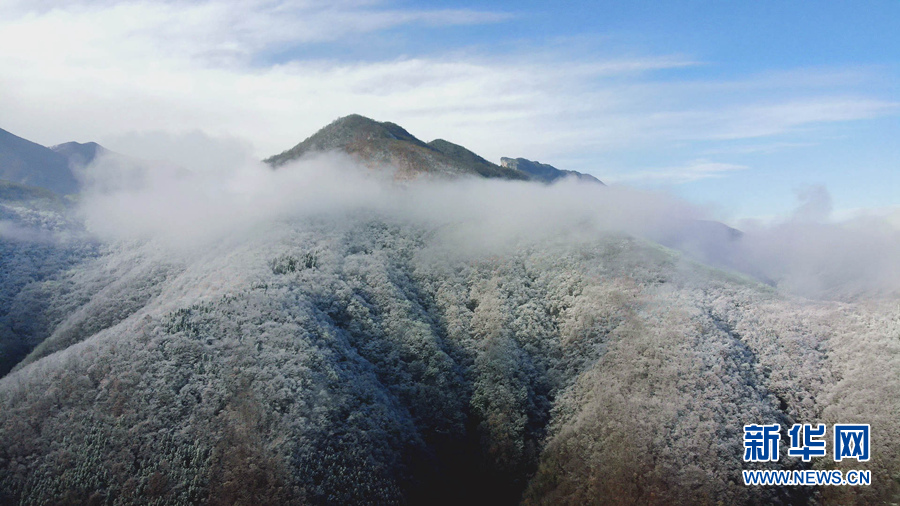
[{"x": 806, "y": 253}]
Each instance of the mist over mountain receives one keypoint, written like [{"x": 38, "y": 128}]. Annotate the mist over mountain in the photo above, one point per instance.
[
  {"x": 383, "y": 321},
  {"x": 80, "y": 154}
]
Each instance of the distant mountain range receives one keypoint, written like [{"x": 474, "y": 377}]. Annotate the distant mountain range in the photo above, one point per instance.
[
  {"x": 387, "y": 144},
  {"x": 25, "y": 162},
  {"x": 376, "y": 144}
]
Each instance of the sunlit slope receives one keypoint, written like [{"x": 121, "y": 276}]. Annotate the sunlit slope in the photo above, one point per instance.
[{"x": 367, "y": 360}]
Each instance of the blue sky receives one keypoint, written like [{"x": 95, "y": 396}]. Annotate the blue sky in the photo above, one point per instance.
[
  {"x": 734, "y": 105},
  {"x": 855, "y": 45}
]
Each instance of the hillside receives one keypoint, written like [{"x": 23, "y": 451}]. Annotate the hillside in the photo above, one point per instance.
[
  {"x": 55, "y": 168},
  {"x": 39, "y": 238},
  {"x": 11, "y": 192}
]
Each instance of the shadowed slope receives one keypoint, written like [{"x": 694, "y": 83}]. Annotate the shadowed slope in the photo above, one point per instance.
[
  {"x": 31, "y": 164},
  {"x": 79, "y": 154}
]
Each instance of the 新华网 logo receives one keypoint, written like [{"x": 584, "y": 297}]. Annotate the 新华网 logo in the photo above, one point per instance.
[{"x": 850, "y": 441}]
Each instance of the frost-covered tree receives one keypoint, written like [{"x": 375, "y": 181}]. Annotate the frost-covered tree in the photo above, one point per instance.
[{"x": 367, "y": 360}]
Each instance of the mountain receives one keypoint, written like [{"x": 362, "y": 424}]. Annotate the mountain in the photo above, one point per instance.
[
  {"x": 28, "y": 163},
  {"x": 711, "y": 242},
  {"x": 78, "y": 154},
  {"x": 40, "y": 235},
  {"x": 360, "y": 354},
  {"x": 383, "y": 143},
  {"x": 38, "y": 240},
  {"x": 54, "y": 168},
  {"x": 543, "y": 172}
]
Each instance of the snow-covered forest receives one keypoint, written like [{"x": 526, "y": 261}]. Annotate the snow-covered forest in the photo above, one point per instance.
[{"x": 362, "y": 358}]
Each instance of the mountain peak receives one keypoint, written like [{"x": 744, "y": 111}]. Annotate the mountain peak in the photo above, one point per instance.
[
  {"x": 79, "y": 154},
  {"x": 349, "y": 134},
  {"x": 27, "y": 163}
]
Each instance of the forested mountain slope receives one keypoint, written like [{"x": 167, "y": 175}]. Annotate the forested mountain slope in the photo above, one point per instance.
[
  {"x": 39, "y": 239},
  {"x": 364, "y": 359}
]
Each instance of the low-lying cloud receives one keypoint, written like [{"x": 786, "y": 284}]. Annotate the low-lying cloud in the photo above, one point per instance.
[
  {"x": 187, "y": 209},
  {"x": 126, "y": 199},
  {"x": 810, "y": 254}
]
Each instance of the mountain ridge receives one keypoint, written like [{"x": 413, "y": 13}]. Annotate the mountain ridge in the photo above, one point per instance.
[
  {"x": 80, "y": 154},
  {"x": 53, "y": 168},
  {"x": 377, "y": 144},
  {"x": 28, "y": 163},
  {"x": 544, "y": 172},
  {"x": 384, "y": 143}
]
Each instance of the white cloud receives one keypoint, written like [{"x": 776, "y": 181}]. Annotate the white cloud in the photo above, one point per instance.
[
  {"x": 771, "y": 119},
  {"x": 696, "y": 170},
  {"x": 813, "y": 254},
  {"x": 190, "y": 210},
  {"x": 189, "y": 207},
  {"x": 764, "y": 147},
  {"x": 211, "y": 31}
]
